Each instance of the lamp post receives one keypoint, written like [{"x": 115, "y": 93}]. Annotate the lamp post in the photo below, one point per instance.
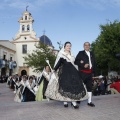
[
  {"x": 10, "y": 68},
  {"x": 12, "y": 65},
  {"x": 60, "y": 45}
]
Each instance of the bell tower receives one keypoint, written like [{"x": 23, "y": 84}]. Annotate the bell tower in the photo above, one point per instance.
[
  {"x": 26, "y": 27},
  {"x": 26, "y": 22},
  {"x": 25, "y": 42}
]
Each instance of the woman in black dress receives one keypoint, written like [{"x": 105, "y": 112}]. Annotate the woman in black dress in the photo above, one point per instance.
[
  {"x": 70, "y": 86},
  {"x": 29, "y": 92}
]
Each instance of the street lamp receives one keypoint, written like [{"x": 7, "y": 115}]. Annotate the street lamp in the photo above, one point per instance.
[
  {"x": 10, "y": 68},
  {"x": 60, "y": 45}
]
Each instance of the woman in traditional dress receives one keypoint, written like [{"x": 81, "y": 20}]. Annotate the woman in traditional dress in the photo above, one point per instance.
[
  {"x": 8, "y": 80},
  {"x": 29, "y": 90},
  {"x": 67, "y": 85},
  {"x": 20, "y": 97},
  {"x": 43, "y": 82}
]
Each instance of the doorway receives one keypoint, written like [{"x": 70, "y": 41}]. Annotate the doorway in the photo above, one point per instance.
[{"x": 23, "y": 72}]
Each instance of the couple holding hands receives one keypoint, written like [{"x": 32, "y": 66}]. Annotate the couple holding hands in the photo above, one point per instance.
[{"x": 73, "y": 81}]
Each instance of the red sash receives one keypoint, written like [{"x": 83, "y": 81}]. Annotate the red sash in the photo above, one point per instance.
[{"x": 87, "y": 71}]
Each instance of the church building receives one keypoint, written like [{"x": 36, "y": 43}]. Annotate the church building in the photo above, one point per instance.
[{"x": 24, "y": 42}]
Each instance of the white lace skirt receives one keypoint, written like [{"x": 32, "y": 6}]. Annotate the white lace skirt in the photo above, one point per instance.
[{"x": 52, "y": 91}]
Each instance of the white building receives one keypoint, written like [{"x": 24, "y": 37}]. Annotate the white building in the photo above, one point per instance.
[
  {"x": 7, "y": 52},
  {"x": 25, "y": 42}
]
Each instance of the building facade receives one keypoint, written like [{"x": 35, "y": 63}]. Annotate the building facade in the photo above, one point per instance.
[
  {"x": 7, "y": 54},
  {"x": 24, "y": 42}
]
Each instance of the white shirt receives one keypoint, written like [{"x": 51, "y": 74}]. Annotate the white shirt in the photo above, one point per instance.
[{"x": 90, "y": 63}]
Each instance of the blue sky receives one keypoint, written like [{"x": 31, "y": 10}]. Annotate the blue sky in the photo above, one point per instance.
[{"x": 76, "y": 21}]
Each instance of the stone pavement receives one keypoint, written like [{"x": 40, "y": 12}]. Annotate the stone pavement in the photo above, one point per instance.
[{"x": 107, "y": 108}]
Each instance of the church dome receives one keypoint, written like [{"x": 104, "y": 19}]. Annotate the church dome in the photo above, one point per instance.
[{"x": 45, "y": 40}]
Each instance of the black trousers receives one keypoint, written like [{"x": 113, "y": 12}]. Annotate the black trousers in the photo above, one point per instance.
[{"x": 87, "y": 79}]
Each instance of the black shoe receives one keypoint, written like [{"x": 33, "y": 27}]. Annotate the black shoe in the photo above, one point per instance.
[
  {"x": 65, "y": 105},
  {"x": 75, "y": 107},
  {"x": 78, "y": 102},
  {"x": 91, "y": 104}
]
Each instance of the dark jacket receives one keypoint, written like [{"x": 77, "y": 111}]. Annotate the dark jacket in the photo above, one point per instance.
[{"x": 82, "y": 56}]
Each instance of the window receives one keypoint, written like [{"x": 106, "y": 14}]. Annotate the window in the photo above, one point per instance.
[
  {"x": 24, "y": 49},
  {"x": 25, "y": 17},
  {"x": 10, "y": 58},
  {"x": 28, "y": 27},
  {"x": 25, "y": 38},
  {"x": 23, "y": 28},
  {"x": 4, "y": 57}
]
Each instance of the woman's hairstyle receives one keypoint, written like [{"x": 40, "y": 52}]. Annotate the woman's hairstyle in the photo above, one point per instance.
[
  {"x": 30, "y": 77},
  {"x": 16, "y": 80},
  {"x": 67, "y": 43},
  {"x": 46, "y": 66},
  {"x": 24, "y": 76}
]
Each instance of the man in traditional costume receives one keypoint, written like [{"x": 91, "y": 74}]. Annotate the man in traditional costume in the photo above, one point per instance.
[{"x": 86, "y": 65}]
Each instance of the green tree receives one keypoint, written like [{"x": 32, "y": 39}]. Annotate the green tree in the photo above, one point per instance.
[
  {"x": 106, "y": 46},
  {"x": 37, "y": 58}
]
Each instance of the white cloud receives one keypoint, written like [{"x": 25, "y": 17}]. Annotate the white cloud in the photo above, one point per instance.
[
  {"x": 21, "y": 4},
  {"x": 34, "y": 4}
]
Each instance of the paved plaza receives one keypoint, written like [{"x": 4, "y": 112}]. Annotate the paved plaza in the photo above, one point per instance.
[{"x": 107, "y": 108}]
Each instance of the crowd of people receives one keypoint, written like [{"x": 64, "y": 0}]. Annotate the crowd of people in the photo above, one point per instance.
[
  {"x": 22, "y": 86},
  {"x": 3, "y": 78},
  {"x": 71, "y": 80},
  {"x": 29, "y": 88},
  {"x": 106, "y": 85}
]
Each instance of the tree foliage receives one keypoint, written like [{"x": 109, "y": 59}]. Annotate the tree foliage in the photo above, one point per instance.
[
  {"x": 37, "y": 58},
  {"x": 106, "y": 46}
]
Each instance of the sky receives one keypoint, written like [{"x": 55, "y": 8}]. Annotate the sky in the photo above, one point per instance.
[{"x": 76, "y": 21}]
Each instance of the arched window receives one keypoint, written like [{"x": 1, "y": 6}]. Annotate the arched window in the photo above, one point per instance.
[
  {"x": 23, "y": 28},
  {"x": 25, "y": 17},
  {"x": 28, "y": 27}
]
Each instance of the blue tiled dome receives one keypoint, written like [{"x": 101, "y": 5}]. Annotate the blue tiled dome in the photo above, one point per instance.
[{"x": 45, "y": 40}]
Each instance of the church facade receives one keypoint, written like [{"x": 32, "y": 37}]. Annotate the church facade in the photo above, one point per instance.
[{"x": 24, "y": 42}]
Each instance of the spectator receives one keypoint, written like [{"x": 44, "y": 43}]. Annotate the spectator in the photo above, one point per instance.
[
  {"x": 115, "y": 87},
  {"x": 101, "y": 87}
]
